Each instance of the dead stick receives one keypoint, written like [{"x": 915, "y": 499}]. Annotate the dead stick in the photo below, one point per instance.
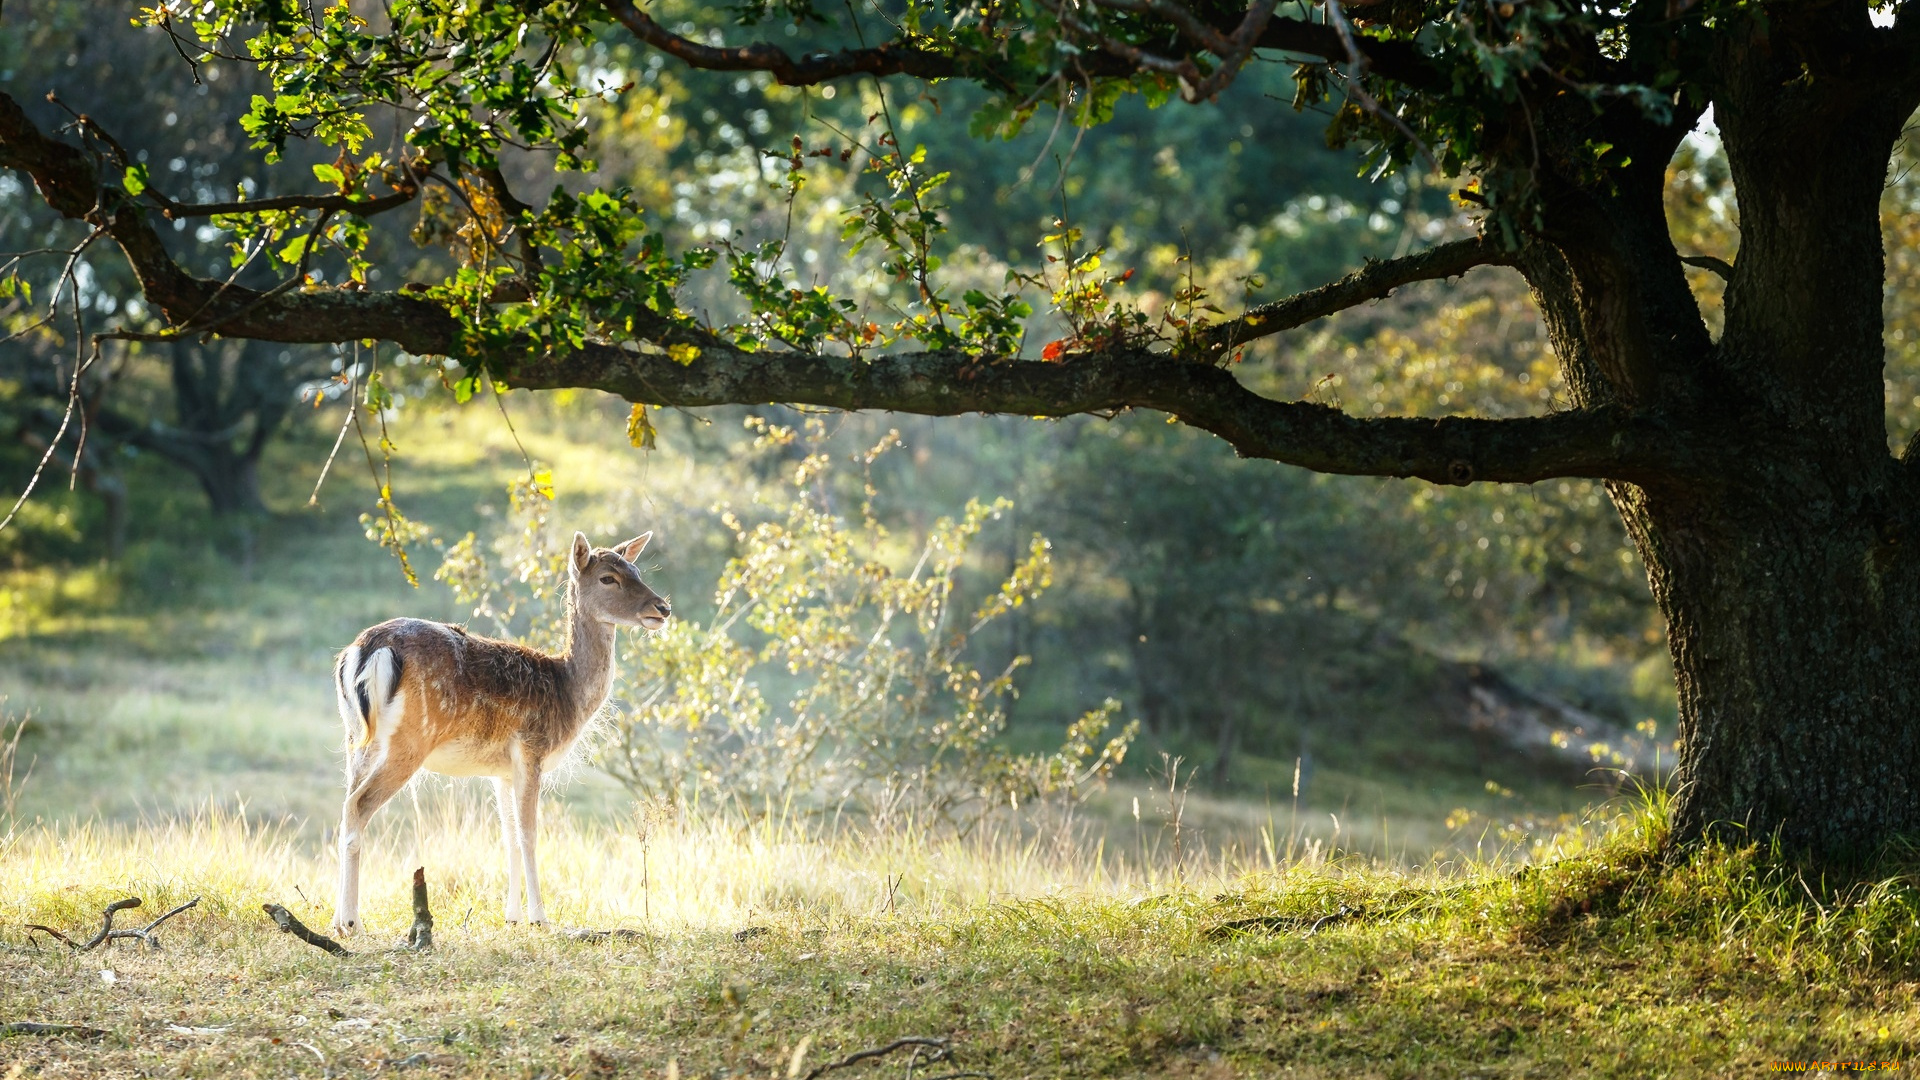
[
  {"x": 106, "y": 925},
  {"x": 145, "y": 933},
  {"x": 285, "y": 920},
  {"x": 938, "y": 1045},
  {"x": 421, "y": 936},
  {"x": 28, "y": 1027}
]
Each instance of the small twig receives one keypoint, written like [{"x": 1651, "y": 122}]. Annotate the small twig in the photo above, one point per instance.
[
  {"x": 145, "y": 933},
  {"x": 618, "y": 933},
  {"x": 1309, "y": 923},
  {"x": 353, "y": 378},
  {"x": 31, "y": 927},
  {"x": 1330, "y": 917},
  {"x": 1356, "y": 86},
  {"x": 106, "y": 926},
  {"x": 938, "y": 1046},
  {"x": 29, "y": 1027},
  {"x": 286, "y": 921}
]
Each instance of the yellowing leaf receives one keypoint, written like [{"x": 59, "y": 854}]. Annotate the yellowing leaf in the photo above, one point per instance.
[
  {"x": 640, "y": 429},
  {"x": 683, "y": 354}
]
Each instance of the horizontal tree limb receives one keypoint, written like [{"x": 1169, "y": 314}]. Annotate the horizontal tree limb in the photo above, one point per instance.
[
  {"x": 1604, "y": 443},
  {"x": 1374, "y": 281},
  {"x": 345, "y": 204},
  {"x": 1601, "y": 443},
  {"x": 1397, "y": 60},
  {"x": 889, "y": 59}
]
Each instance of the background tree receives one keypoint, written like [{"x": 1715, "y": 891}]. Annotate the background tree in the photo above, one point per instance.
[
  {"x": 1752, "y": 469},
  {"x": 209, "y": 408}
]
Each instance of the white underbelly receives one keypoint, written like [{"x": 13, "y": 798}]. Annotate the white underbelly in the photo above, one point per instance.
[{"x": 463, "y": 757}]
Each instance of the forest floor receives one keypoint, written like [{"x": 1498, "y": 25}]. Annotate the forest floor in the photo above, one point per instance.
[
  {"x": 177, "y": 750},
  {"x": 758, "y": 951}
]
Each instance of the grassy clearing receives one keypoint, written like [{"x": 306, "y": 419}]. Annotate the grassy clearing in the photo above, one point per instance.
[
  {"x": 1033, "y": 954},
  {"x": 183, "y": 744}
]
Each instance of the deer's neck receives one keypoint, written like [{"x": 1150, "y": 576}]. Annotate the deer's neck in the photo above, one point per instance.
[{"x": 589, "y": 663}]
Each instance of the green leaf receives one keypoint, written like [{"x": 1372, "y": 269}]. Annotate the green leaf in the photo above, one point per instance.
[
  {"x": 328, "y": 174},
  {"x": 135, "y": 180}
]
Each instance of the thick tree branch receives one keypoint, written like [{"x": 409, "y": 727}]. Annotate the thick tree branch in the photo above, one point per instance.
[
  {"x": 1710, "y": 262},
  {"x": 1397, "y": 60},
  {"x": 1610, "y": 443},
  {"x": 1606, "y": 443},
  {"x": 892, "y": 58},
  {"x": 1374, "y": 281},
  {"x": 348, "y": 204}
]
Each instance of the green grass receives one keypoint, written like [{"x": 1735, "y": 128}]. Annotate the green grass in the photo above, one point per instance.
[
  {"x": 1030, "y": 956},
  {"x": 182, "y": 743}
]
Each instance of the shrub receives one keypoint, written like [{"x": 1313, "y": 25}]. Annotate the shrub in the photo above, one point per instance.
[{"x": 830, "y": 678}]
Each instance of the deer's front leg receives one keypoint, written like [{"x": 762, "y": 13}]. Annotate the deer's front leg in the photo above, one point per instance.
[
  {"x": 526, "y": 782},
  {"x": 506, "y": 796}
]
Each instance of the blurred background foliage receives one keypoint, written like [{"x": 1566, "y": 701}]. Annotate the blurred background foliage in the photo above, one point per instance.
[{"x": 1285, "y": 634}]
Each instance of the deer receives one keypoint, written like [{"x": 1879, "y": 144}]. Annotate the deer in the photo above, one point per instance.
[{"x": 415, "y": 694}]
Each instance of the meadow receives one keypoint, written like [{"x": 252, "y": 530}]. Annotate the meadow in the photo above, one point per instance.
[{"x": 180, "y": 744}]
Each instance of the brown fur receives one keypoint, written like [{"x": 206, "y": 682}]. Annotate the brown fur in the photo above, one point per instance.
[
  {"x": 476, "y": 687},
  {"x": 415, "y": 694}
]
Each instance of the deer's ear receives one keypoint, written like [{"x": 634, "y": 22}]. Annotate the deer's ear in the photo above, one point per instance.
[
  {"x": 582, "y": 553},
  {"x": 631, "y": 549}
]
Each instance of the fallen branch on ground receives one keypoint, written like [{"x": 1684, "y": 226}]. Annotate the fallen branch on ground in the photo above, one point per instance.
[
  {"x": 108, "y": 933},
  {"x": 28, "y": 1027},
  {"x": 937, "y": 1046},
  {"x": 1311, "y": 923},
  {"x": 618, "y": 933},
  {"x": 286, "y": 921}
]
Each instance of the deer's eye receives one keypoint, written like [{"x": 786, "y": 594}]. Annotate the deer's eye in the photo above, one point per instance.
[{"x": 608, "y": 579}]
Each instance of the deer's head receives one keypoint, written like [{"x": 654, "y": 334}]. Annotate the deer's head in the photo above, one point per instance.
[{"x": 607, "y": 586}]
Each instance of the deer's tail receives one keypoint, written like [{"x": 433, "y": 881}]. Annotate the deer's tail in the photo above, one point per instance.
[{"x": 364, "y": 684}]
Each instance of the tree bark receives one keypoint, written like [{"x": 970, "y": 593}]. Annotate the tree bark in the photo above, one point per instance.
[{"x": 1793, "y": 619}]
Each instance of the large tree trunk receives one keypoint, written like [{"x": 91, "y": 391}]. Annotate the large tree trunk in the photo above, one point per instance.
[
  {"x": 1787, "y": 572},
  {"x": 1782, "y": 554},
  {"x": 1794, "y": 623}
]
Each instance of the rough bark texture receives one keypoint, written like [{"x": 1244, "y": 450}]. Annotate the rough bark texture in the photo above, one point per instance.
[{"x": 1784, "y": 563}]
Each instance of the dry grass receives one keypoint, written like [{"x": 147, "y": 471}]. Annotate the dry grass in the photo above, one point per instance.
[{"x": 1035, "y": 954}]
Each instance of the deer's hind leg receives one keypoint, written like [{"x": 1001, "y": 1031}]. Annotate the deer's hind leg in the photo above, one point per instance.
[{"x": 376, "y": 771}]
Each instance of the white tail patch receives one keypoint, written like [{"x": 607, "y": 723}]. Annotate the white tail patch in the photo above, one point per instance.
[{"x": 364, "y": 689}]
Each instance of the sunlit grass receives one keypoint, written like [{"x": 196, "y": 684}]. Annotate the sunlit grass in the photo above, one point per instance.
[
  {"x": 1036, "y": 951},
  {"x": 186, "y": 750}
]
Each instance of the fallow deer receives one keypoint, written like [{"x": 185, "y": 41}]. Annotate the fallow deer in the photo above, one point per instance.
[{"x": 415, "y": 695}]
